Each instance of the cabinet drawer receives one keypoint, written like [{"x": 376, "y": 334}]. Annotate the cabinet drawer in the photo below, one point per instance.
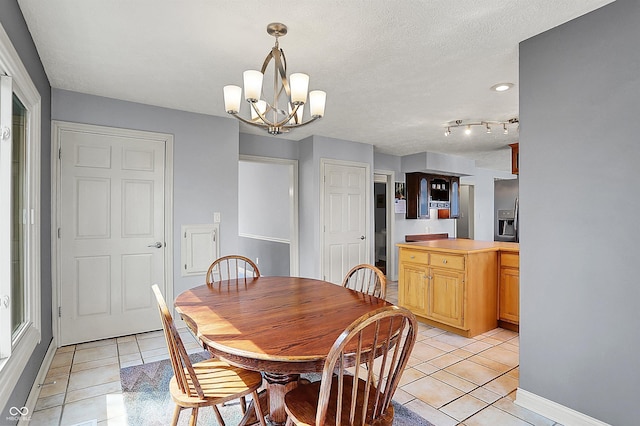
[
  {"x": 511, "y": 260},
  {"x": 414, "y": 256},
  {"x": 451, "y": 261}
]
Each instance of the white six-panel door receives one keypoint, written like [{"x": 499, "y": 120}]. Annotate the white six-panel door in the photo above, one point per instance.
[
  {"x": 112, "y": 234},
  {"x": 346, "y": 219}
]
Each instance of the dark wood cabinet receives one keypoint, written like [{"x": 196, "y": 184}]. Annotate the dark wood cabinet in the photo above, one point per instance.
[
  {"x": 417, "y": 195},
  {"x": 427, "y": 191},
  {"x": 515, "y": 157}
]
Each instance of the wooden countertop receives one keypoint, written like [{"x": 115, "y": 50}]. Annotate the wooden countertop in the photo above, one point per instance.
[{"x": 462, "y": 245}]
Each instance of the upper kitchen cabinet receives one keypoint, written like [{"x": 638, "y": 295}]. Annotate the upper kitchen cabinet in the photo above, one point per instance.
[
  {"x": 418, "y": 195},
  {"x": 426, "y": 191},
  {"x": 515, "y": 157}
]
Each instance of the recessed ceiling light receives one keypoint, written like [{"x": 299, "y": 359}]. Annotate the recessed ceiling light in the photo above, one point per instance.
[{"x": 501, "y": 87}]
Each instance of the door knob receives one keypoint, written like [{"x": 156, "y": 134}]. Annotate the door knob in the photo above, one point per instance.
[
  {"x": 362, "y": 237},
  {"x": 156, "y": 245}
]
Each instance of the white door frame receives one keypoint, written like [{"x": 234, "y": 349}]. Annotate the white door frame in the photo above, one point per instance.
[
  {"x": 390, "y": 178},
  {"x": 56, "y": 128},
  {"x": 369, "y": 205},
  {"x": 294, "y": 247}
]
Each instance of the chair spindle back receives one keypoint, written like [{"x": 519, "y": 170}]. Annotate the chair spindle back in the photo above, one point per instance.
[{"x": 366, "y": 279}]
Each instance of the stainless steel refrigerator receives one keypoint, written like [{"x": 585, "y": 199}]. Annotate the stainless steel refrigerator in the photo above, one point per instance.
[{"x": 506, "y": 210}]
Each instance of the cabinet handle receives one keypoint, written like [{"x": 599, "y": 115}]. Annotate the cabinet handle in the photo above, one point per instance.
[
  {"x": 444, "y": 260},
  {"x": 412, "y": 257}
]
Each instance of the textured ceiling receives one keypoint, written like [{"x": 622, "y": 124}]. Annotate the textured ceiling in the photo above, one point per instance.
[{"x": 394, "y": 71}]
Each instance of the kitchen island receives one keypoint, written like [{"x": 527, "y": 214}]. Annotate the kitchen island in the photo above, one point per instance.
[{"x": 458, "y": 285}]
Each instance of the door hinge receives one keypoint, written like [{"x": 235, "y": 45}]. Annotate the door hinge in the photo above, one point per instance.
[
  {"x": 59, "y": 232},
  {"x": 185, "y": 266},
  {"x": 59, "y": 312},
  {"x": 59, "y": 153}
]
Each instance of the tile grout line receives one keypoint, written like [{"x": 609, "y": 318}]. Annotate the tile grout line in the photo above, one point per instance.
[
  {"x": 476, "y": 385},
  {"x": 66, "y": 388}
]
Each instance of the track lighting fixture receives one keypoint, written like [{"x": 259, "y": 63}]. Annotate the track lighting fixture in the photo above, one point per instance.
[{"x": 486, "y": 124}]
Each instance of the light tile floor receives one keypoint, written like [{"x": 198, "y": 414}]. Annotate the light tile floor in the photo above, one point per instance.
[{"x": 450, "y": 380}]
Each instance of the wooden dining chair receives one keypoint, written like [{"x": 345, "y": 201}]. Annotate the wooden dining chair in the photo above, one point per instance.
[
  {"x": 336, "y": 399},
  {"x": 207, "y": 383},
  {"x": 366, "y": 279},
  {"x": 232, "y": 267}
]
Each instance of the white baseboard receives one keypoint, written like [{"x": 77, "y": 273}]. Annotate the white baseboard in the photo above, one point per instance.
[
  {"x": 554, "y": 411},
  {"x": 35, "y": 389}
]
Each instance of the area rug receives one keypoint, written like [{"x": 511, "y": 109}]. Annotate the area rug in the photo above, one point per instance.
[{"x": 145, "y": 390}]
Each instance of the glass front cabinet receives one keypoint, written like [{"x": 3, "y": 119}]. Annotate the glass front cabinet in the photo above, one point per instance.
[{"x": 428, "y": 193}]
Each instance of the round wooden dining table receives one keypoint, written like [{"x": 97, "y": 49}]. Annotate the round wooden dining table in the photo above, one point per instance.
[{"x": 282, "y": 326}]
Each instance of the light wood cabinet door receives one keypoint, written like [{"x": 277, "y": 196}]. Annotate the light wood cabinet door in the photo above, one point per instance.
[
  {"x": 509, "y": 296},
  {"x": 413, "y": 291},
  {"x": 446, "y": 297}
]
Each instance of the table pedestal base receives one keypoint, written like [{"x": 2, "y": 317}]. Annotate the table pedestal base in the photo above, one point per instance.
[{"x": 277, "y": 386}]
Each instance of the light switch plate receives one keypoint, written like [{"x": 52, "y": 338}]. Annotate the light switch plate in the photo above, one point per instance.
[{"x": 216, "y": 217}]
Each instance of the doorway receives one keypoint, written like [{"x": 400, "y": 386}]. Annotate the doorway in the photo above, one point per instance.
[
  {"x": 382, "y": 222},
  {"x": 380, "y": 226},
  {"x": 345, "y": 217},
  {"x": 269, "y": 235},
  {"x": 113, "y": 220}
]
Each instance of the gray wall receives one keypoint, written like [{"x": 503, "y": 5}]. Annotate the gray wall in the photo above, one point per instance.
[
  {"x": 14, "y": 25},
  {"x": 205, "y": 161},
  {"x": 268, "y": 146},
  {"x": 274, "y": 257},
  {"x": 579, "y": 171}
]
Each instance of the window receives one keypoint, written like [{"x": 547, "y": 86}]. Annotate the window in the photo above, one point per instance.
[{"x": 19, "y": 217}]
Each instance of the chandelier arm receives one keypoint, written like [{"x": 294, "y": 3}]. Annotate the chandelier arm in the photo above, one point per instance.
[
  {"x": 266, "y": 121},
  {"x": 265, "y": 64},
  {"x": 281, "y": 66},
  {"x": 291, "y": 126},
  {"x": 282, "y": 123},
  {"x": 244, "y": 120}
]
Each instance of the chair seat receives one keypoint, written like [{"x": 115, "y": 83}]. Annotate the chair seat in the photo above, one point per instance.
[
  {"x": 220, "y": 382},
  {"x": 301, "y": 404}
]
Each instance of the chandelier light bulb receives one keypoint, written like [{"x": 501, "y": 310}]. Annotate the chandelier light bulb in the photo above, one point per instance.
[
  {"x": 467, "y": 131},
  {"x": 299, "y": 84},
  {"x": 488, "y": 129},
  {"x": 506, "y": 131},
  {"x": 262, "y": 107},
  {"x": 297, "y": 118},
  {"x": 317, "y": 101},
  {"x": 448, "y": 131},
  {"x": 232, "y": 96},
  {"x": 252, "y": 85}
]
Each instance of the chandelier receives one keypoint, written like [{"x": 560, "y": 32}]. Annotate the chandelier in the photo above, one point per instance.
[
  {"x": 288, "y": 92},
  {"x": 487, "y": 125}
]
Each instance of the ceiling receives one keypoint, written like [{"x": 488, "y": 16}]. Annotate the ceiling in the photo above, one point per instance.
[{"x": 395, "y": 72}]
